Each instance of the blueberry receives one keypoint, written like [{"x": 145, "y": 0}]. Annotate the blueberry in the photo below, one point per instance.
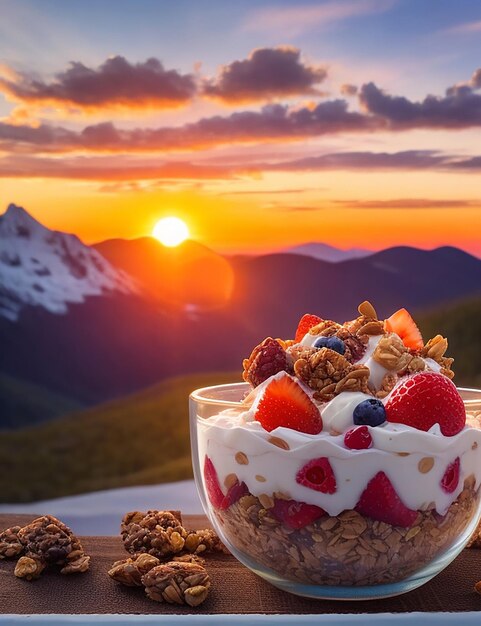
[
  {"x": 336, "y": 344},
  {"x": 321, "y": 342},
  {"x": 333, "y": 343},
  {"x": 370, "y": 412}
]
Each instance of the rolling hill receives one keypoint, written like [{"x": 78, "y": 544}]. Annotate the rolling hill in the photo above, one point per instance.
[{"x": 140, "y": 439}]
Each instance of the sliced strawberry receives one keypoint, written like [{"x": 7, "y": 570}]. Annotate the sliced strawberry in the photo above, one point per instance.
[
  {"x": 403, "y": 325},
  {"x": 295, "y": 514},
  {"x": 380, "y": 502},
  {"x": 450, "y": 480},
  {"x": 214, "y": 491},
  {"x": 358, "y": 438},
  {"x": 317, "y": 474},
  {"x": 284, "y": 403},
  {"x": 425, "y": 399},
  {"x": 306, "y": 322},
  {"x": 212, "y": 485}
]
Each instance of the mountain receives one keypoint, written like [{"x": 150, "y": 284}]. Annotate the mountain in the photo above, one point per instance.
[
  {"x": 325, "y": 252},
  {"x": 188, "y": 310},
  {"x": 49, "y": 269},
  {"x": 189, "y": 275}
]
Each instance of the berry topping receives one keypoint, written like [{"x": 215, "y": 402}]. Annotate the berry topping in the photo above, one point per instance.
[
  {"x": 358, "y": 438},
  {"x": 317, "y": 474},
  {"x": 370, "y": 412},
  {"x": 450, "y": 480},
  {"x": 266, "y": 359},
  {"x": 284, "y": 403},
  {"x": 333, "y": 343},
  {"x": 380, "y": 502},
  {"x": 212, "y": 486},
  {"x": 216, "y": 497},
  {"x": 295, "y": 514},
  {"x": 426, "y": 399},
  {"x": 306, "y": 322},
  {"x": 403, "y": 325}
]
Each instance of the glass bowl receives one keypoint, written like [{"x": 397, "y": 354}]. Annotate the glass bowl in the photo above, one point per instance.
[{"x": 347, "y": 556}]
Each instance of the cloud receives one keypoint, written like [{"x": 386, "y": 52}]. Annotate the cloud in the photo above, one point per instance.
[
  {"x": 115, "y": 83},
  {"x": 296, "y": 20},
  {"x": 112, "y": 169},
  {"x": 407, "y": 160},
  {"x": 408, "y": 203},
  {"x": 348, "y": 90},
  {"x": 460, "y": 107},
  {"x": 266, "y": 74},
  {"x": 465, "y": 28},
  {"x": 271, "y": 123}
]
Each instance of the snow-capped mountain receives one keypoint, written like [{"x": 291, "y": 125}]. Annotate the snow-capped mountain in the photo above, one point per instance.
[{"x": 50, "y": 269}]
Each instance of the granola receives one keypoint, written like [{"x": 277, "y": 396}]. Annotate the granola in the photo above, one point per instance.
[{"x": 177, "y": 583}]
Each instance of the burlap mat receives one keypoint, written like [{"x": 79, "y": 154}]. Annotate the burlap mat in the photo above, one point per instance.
[{"x": 234, "y": 588}]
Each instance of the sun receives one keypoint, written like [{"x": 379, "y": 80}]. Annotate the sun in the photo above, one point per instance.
[{"x": 171, "y": 231}]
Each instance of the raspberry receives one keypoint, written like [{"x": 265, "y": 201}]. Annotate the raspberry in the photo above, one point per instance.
[
  {"x": 358, "y": 438},
  {"x": 306, "y": 322},
  {"x": 295, "y": 514},
  {"x": 380, "y": 502},
  {"x": 426, "y": 399},
  {"x": 284, "y": 403},
  {"x": 317, "y": 474},
  {"x": 267, "y": 359},
  {"x": 450, "y": 480}
]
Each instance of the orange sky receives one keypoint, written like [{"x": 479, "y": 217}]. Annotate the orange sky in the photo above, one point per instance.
[{"x": 284, "y": 143}]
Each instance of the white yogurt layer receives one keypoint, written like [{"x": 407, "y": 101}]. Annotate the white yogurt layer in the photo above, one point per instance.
[{"x": 397, "y": 450}]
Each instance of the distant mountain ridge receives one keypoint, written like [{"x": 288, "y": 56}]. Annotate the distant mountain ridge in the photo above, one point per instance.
[
  {"x": 50, "y": 269},
  {"x": 326, "y": 252}
]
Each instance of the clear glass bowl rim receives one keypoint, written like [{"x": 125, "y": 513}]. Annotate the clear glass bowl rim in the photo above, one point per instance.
[{"x": 202, "y": 395}]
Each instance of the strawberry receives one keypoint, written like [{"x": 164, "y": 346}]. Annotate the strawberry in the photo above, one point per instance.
[
  {"x": 380, "y": 502},
  {"x": 306, "y": 322},
  {"x": 295, "y": 514},
  {"x": 216, "y": 497},
  {"x": 425, "y": 399},
  {"x": 284, "y": 403},
  {"x": 317, "y": 474},
  {"x": 266, "y": 359},
  {"x": 212, "y": 486},
  {"x": 358, "y": 438},
  {"x": 403, "y": 325},
  {"x": 450, "y": 480}
]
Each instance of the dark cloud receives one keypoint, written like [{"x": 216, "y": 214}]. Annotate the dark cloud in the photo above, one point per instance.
[
  {"x": 408, "y": 203},
  {"x": 348, "y": 90},
  {"x": 267, "y": 73},
  {"x": 114, "y": 83},
  {"x": 408, "y": 159},
  {"x": 459, "y": 108},
  {"x": 271, "y": 123}
]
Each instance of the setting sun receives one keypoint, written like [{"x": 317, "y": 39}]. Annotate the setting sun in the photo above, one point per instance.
[{"x": 170, "y": 231}]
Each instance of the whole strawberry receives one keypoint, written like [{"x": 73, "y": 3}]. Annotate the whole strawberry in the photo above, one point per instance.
[{"x": 426, "y": 399}]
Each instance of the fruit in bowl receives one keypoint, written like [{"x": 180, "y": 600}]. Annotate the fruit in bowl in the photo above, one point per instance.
[{"x": 345, "y": 465}]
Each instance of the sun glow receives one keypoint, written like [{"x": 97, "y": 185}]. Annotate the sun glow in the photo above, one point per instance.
[{"x": 170, "y": 231}]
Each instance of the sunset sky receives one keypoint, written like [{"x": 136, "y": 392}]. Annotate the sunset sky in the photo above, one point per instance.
[{"x": 261, "y": 124}]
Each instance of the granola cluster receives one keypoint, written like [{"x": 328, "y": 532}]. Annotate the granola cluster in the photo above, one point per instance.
[
  {"x": 329, "y": 373},
  {"x": 346, "y": 549},
  {"x": 165, "y": 557},
  {"x": 45, "y": 541}
]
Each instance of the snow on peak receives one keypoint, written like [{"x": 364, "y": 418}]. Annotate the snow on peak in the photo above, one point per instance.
[{"x": 47, "y": 268}]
